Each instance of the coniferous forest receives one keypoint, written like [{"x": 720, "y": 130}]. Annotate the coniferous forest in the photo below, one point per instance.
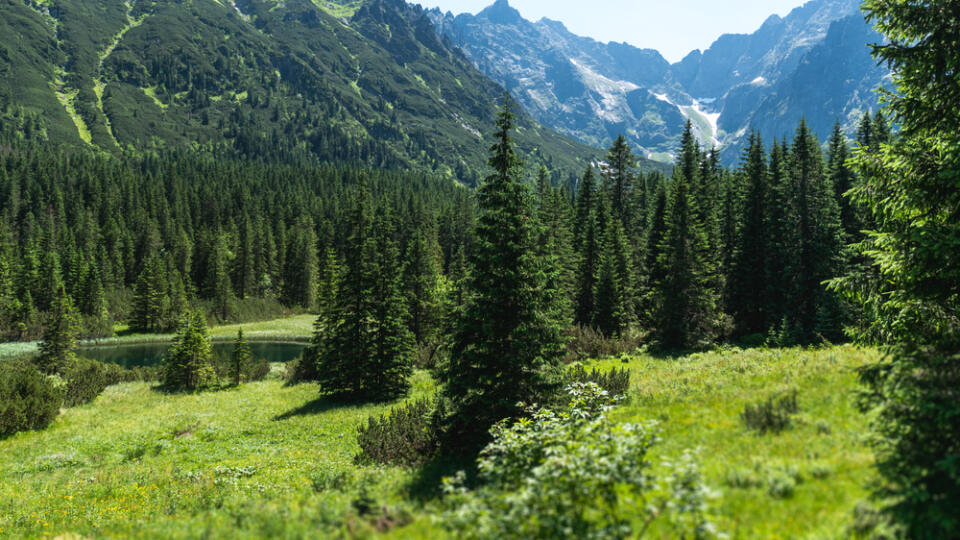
[{"x": 694, "y": 351}]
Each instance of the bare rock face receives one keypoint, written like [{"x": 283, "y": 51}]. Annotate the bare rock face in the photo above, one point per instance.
[{"x": 813, "y": 63}]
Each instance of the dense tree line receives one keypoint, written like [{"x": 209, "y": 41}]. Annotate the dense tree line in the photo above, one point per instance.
[{"x": 139, "y": 240}]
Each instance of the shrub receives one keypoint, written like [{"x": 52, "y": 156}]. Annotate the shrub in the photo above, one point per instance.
[
  {"x": 304, "y": 368},
  {"x": 616, "y": 381},
  {"x": 567, "y": 474},
  {"x": 773, "y": 414},
  {"x": 406, "y": 436},
  {"x": 256, "y": 369},
  {"x": 743, "y": 479},
  {"x": 328, "y": 479},
  {"x": 28, "y": 399},
  {"x": 86, "y": 379},
  {"x": 586, "y": 342},
  {"x": 781, "y": 485}
]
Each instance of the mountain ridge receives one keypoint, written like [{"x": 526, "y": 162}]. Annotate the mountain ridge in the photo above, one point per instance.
[
  {"x": 593, "y": 90},
  {"x": 367, "y": 83}
]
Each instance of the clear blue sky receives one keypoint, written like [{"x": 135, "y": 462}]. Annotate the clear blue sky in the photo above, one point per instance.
[{"x": 674, "y": 27}]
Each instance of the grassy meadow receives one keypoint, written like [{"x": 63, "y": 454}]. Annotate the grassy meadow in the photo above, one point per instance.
[{"x": 272, "y": 460}]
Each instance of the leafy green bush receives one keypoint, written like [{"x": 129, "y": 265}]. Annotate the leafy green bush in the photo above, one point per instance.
[
  {"x": 406, "y": 436},
  {"x": 28, "y": 399},
  {"x": 773, "y": 414},
  {"x": 616, "y": 381},
  {"x": 574, "y": 474}
]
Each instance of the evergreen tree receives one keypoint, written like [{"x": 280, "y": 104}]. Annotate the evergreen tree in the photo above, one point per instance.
[
  {"x": 817, "y": 311},
  {"x": 150, "y": 302},
  {"x": 507, "y": 346},
  {"x": 218, "y": 287},
  {"x": 653, "y": 243},
  {"x": 782, "y": 262},
  {"x": 187, "y": 365},
  {"x": 843, "y": 178},
  {"x": 421, "y": 284},
  {"x": 59, "y": 335},
  {"x": 614, "y": 283},
  {"x": 748, "y": 274},
  {"x": 300, "y": 273},
  {"x": 589, "y": 244},
  {"x": 348, "y": 341},
  {"x": 244, "y": 276},
  {"x": 240, "y": 358},
  {"x": 913, "y": 191},
  {"x": 687, "y": 310},
  {"x": 387, "y": 372},
  {"x": 619, "y": 181},
  {"x": 329, "y": 282}
]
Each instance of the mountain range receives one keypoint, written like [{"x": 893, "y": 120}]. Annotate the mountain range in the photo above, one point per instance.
[
  {"x": 813, "y": 63},
  {"x": 383, "y": 83},
  {"x": 365, "y": 82}
]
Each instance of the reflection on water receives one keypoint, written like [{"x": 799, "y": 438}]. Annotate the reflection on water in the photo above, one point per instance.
[{"x": 151, "y": 354}]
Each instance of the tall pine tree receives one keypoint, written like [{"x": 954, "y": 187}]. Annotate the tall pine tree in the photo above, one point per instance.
[{"x": 507, "y": 347}]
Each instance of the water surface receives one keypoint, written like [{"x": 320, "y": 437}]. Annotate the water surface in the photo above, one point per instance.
[{"x": 151, "y": 354}]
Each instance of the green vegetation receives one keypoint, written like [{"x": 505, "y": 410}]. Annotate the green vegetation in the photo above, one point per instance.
[
  {"x": 267, "y": 80},
  {"x": 269, "y": 459},
  {"x": 909, "y": 287}
]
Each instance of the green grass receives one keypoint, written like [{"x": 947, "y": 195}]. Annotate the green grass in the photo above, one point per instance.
[{"x": 262, "y": 460}]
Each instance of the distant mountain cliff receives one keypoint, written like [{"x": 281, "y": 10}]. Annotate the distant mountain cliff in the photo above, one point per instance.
[{"x": 814, "y": 63}]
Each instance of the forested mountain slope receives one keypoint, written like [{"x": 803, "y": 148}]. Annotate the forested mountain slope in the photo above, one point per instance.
[
  {"x": 813, "y": 63},
  {"x": 351, "y": 82}
]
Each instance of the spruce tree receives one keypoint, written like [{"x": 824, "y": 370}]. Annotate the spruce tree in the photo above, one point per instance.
[
  {"x": 843, "y": 179},
  {"x": 386, "y": 374},
  {"x": 240, "y": 358},
  {"x": 613, "y": 290},
  {"x": 817, "y": 310},
  {"x": 619, "y": 181},
  {"x": 913, "y": 191},
  {"x": 346, "y": 343},
  {"x": 329, "y": 281},
  {"x": 747, "y": 301},
  {"x": 589, "y": 245},
  {"x": 59, "y": 335},
  {"x": 421, "y": 284},
  {"x": 686, "y": 305},
  {"x": 507, "y": 347},
  {"x": 187, "y": 365},
  {"x": 150, "y": 301}
]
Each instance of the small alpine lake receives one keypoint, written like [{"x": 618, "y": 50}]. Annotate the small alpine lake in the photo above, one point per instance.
[{"x": 150, "y": 354}]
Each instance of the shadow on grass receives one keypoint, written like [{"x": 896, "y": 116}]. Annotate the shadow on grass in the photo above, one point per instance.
[
  {"x": 317, "y": 406},
  {"x": 428, "y": 478}
]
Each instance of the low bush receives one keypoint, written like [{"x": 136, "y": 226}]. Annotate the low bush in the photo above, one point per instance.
[
  {"x": 586, "y": 342},
  {"x": 28, "y": 399},
  {"x": 569, "y": 473},
  {"x": 405, "y": 436},
  {"x": 616, "y": 381},
  {"x": 85, "y": 379},
  {"x": 771, "y": 415},
  {"x": 302, "y": 369},
  {"x": 781, "y": 486}
]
